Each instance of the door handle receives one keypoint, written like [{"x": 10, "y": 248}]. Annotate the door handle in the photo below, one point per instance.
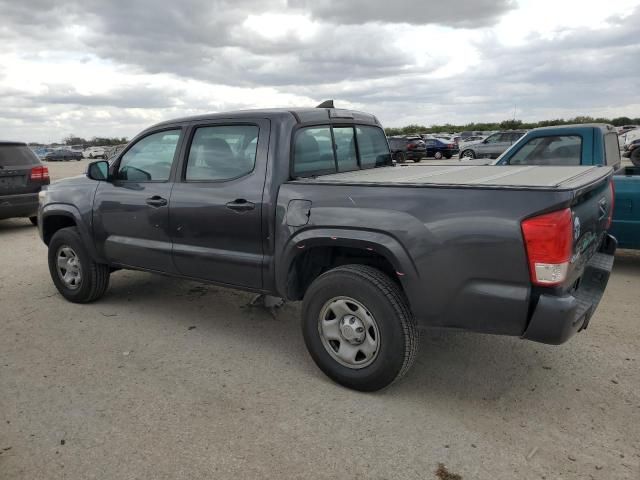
[
  {"x": 156, "y": 201},
  {"x": 241, "y": 205}
]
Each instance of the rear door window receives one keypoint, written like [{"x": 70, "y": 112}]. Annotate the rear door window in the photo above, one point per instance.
[
  {"x": 17, "y": 156},
  {"x": 611, "y": 149},
  {"x": 222, "y": 152},
  {"x": 550, "y": 150}
]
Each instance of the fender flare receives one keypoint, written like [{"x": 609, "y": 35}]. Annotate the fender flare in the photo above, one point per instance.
[
  {"x": 365, "y": 239},
  {"x": 70, "y": 211}
]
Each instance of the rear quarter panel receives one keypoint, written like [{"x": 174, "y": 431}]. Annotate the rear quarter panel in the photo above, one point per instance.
[{"x": 459, "y": 250}]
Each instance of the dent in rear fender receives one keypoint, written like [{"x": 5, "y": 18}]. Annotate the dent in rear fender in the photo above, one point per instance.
[{"x": 374, "y": 241}]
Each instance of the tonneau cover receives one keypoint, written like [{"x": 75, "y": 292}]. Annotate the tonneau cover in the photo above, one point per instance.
[{"x": 489, "y": 176}]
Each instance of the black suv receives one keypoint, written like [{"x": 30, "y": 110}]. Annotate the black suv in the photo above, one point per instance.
[
  {"x": 22, "y": 176},
  {"x": 407, "y": 148}
]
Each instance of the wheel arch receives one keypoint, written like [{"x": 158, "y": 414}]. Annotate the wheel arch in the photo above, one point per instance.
[
  {"x": 311, "y": 252},
  {"x": 58, "y": 216}
]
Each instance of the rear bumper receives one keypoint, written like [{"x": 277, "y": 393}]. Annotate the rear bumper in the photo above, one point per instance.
[
  {"x": 557, "y": 318},
  {"x": 23, "y": 205}
]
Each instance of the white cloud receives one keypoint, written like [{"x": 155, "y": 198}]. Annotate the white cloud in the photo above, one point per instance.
[{"x": 102, "y": 68}]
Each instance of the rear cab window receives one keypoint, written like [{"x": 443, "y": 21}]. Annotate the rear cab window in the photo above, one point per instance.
[
  {"x": 550, "y": 150},
  {"x": 611, "y": 149},
  {"x": 321, "y": 150},
  {"x": 16, "y": 155}
]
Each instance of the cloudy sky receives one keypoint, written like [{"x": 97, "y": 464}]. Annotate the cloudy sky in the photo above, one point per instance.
[{"x": 103, "y": 68}]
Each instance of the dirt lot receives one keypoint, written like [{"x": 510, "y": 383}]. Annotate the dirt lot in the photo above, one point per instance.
[{"x": 166, "y": 379}]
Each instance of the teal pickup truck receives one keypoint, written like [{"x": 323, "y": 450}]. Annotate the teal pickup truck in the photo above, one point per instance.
[{"x": 587, "y": 144}]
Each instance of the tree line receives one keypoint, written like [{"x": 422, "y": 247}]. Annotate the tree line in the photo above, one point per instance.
[
  {"x": 508, "y": 125},
  {"x": 94, "y": 142}
]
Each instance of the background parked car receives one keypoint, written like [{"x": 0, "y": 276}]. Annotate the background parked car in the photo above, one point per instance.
[
  {"x": 111, "y": 152},
  {"x": 94, "y": 152},
  {"x": 438, "y": 148},
  {"x": 63, "y": 154},
  {"x": 41, "y": 151},
  {"x": 22, "y": 176},
  {"x": 407, "y": 148},
  {"x": 632, "y": 151},
  {"x": 492, "y": 146}
]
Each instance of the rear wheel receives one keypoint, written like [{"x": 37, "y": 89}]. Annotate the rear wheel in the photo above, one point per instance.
[
  {"x": 358, "y": 328},
  {"x": 76, "y": 276},
  {"x": 468, "y": 154},
  {"x": 437, "y": 155},
  {"x": 401, "y": 157},
  {"x": 34, "y": 220},
  {"x": 635, "y": 156}
]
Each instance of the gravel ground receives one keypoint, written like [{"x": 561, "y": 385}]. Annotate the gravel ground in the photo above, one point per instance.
[{"x": 167, "y": 379}]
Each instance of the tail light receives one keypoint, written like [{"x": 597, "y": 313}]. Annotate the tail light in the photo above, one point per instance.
[
  {"x": 39, "y": 173},
  {"x": 452, "y": 145},
  {"x": 411, "y": 146},
  {"x": 613, "y": 204},
  {"x": 549, "y": 240}
]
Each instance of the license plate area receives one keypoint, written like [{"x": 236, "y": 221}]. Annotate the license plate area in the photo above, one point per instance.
[{"x": 12, "y": 181}]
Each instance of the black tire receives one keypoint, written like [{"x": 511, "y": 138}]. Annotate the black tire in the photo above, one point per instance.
[
  {"x": 635, "y": 156},
  {"x": 437, "y": 155},
  {"x": 95, "y": 276},
  {"x": 468, "y": 154},
  {"x": 34, "y": 220},
  {"x": 401, "y": 157},
  {"x": 382, "y": 298}
]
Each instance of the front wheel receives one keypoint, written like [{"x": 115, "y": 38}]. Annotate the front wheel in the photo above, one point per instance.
[
  {"x": 74, "y": 273},
  {"x": 358, "y": 328},
  {"x": 468, "y": 154},
  {"x": 438, "y": 155},
  {"x": 401, "y": 157}
]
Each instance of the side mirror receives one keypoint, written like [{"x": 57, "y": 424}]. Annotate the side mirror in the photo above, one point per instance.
[{"x": 98, "y": 171}]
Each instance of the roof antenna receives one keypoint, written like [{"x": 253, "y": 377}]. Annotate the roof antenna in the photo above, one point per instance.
[{"x": 326, "y": 104}]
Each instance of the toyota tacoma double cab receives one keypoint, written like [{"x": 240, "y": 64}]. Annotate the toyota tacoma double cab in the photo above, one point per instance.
[{"x": 308, "y": 205}]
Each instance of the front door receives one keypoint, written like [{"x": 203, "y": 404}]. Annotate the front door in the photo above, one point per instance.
[
  {"x": 131, "y": 211},
  {"x": 216, "y": 203}
]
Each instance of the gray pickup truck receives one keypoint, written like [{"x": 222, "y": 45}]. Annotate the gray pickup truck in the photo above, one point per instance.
[{"x": 307, "y": 204}]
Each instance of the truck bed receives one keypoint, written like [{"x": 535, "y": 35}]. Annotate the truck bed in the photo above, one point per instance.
[{"x": 488, "y": 176}]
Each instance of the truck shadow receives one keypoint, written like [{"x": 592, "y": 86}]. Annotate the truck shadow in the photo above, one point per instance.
[{"x": 489, "y": 371}]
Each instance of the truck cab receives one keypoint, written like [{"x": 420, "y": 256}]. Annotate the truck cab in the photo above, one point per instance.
[{"x": 589, "y": 144}]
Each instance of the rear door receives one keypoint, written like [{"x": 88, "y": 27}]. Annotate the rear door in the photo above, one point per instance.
[
  {"x": 131, "y": 211},
  {"x": 216, "y": 203},
  {"x": 16, "y": 162}
]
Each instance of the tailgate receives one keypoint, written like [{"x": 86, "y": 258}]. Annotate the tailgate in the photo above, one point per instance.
[
  {"x": 14, "y": 180},
  {"x": 16, "y": 163},
  {"x": 592, "y": 210}
]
